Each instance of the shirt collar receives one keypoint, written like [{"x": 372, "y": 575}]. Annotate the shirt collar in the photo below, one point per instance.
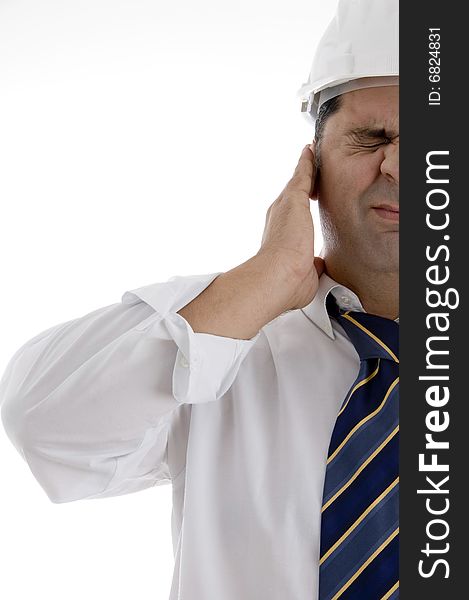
[{"x": 316, "y": 310}]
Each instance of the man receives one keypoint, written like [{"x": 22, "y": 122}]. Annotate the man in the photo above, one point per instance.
[{"x": 230, "y": 386}]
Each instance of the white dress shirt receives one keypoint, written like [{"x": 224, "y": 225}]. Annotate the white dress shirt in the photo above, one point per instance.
[{"x": 128, "y": 397}]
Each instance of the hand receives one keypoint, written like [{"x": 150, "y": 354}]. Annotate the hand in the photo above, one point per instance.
[{"x": 288, "y": 239}]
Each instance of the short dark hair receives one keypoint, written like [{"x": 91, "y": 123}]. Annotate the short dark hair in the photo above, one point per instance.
[{"x": 327, "y": 109}]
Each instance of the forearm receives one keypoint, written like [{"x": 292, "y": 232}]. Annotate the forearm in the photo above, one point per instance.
[{"x": 240, "y": 302}]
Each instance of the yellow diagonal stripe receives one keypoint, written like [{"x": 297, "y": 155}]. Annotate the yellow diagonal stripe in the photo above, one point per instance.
[
  {"x": 359, "y": 384},
  {"x": 391, "y": 591},
  {"x": 371, "y": 334},
  {"x": 359, "y": 520},
  {"x": 366, "y": 563},
  {"x": 364, "y": 420},
  {"x": 360, "y": 469}
]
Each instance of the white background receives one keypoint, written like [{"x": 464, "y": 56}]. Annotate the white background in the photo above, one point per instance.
[{"x": 138, "y": 140}]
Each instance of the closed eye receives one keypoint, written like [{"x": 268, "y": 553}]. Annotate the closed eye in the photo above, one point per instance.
[
  {"x": 368, "y": 146},
  {"x": 369, "y": 138},
  {"x": 376, "y": 145},
  {"x": 365, "y": 147}
]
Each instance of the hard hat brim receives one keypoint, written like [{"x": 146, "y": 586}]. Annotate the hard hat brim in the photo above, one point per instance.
[{"x": 311, "y": 95}]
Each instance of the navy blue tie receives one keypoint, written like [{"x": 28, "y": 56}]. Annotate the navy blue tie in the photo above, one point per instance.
[{"x": 359, "y": 556}]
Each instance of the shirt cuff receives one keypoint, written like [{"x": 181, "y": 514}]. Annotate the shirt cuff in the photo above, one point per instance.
[{"x": 206, "y": 364}]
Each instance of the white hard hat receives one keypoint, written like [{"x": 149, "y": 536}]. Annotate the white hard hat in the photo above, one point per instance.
[{"x": 360, "y": 48}]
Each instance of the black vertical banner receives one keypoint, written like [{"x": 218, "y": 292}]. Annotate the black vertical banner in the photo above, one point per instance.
[{"x": 434, "y": 268}]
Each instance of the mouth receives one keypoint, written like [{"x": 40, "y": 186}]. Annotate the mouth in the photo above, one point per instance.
[{"x": 387, "y": 211}]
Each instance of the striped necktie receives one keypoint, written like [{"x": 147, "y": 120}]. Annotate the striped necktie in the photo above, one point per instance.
[{"x": 359, "y": 556}]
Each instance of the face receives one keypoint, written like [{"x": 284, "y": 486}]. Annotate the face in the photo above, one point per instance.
[{"x": 360, "y": 171}]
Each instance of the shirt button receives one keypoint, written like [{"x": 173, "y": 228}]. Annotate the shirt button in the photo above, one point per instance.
[
  {"x": 183, "y": 361},
  {"x": 345, "y": 300}
]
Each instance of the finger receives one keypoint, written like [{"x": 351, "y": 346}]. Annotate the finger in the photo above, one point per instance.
[{"x": 304, "y": 173}]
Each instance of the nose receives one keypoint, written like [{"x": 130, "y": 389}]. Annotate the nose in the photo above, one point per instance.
[{"x": 390, "y": 163}]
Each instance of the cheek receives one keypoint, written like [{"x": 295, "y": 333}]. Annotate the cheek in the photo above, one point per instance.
[{"x": 349, "y": 175}]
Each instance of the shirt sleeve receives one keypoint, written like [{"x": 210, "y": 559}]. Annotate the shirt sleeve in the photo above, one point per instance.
[{"x": 89, "y": 403}]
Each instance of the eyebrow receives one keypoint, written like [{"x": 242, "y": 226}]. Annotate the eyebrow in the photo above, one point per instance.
[{"x": 371, "y": 133}]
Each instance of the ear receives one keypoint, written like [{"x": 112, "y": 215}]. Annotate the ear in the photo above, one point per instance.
[
  {"x": 314, "y": 187},
  {"x": 314, "y": 195}
]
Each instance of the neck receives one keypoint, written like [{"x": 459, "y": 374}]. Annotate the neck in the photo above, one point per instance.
[{"x": 378, "y": 291}]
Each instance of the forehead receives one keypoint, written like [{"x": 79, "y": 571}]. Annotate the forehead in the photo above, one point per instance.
[{"x": 369, "y": 107}]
